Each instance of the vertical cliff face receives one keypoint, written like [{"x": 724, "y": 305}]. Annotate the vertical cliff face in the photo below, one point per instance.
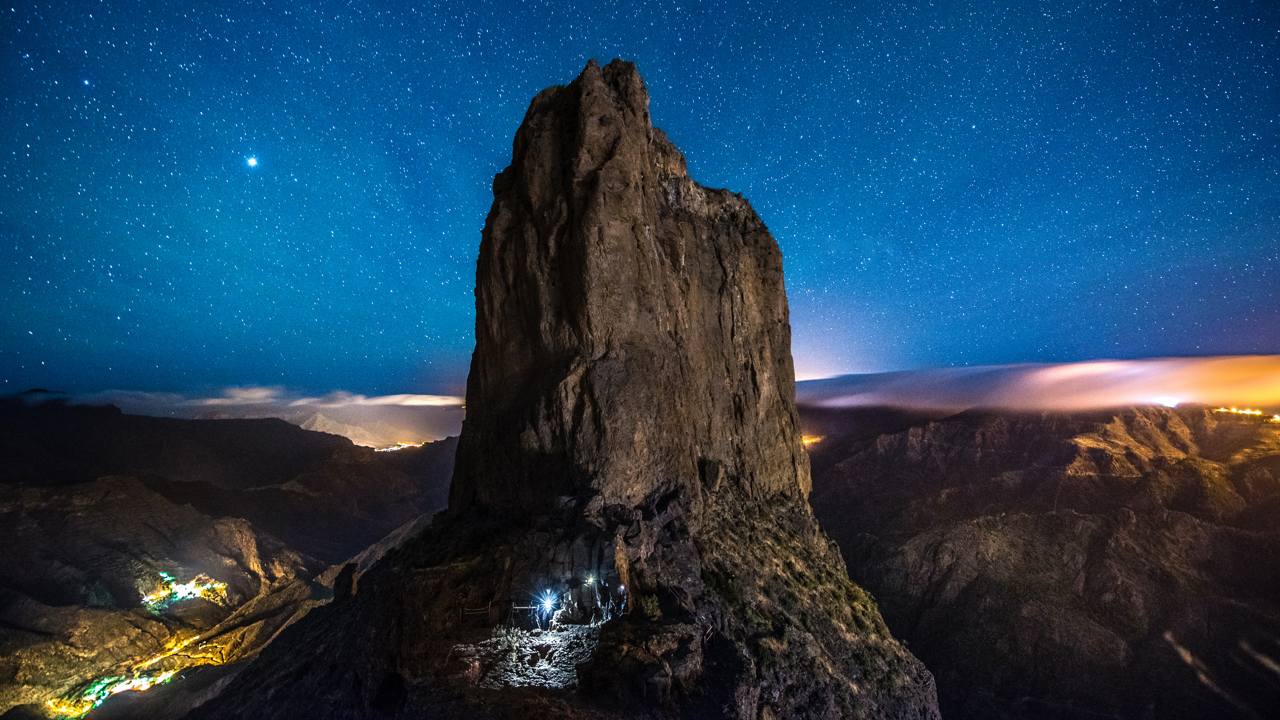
[
  {"x": 633, "y": 364},
  {"x": 629, "y": 477},
  {"x": 631, "y": 325}
]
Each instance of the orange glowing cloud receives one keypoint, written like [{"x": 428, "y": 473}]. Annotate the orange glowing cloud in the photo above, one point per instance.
[{"x": 1246, "y": 381}]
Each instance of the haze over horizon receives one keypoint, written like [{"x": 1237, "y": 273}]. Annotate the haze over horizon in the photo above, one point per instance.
[
  {"x": 1251, "y": 382},
  {"x": 190, "y": 202}
]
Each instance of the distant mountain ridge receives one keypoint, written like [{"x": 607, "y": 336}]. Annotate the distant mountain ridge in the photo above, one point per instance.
[
  {"x": 394, "y": 420},
  {"x": 378, "y": 421},
  {"x": 375, "y": 434}
]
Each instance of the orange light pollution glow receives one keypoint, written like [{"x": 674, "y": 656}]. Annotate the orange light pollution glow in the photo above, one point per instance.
[{"x": 1246, "y": 381}]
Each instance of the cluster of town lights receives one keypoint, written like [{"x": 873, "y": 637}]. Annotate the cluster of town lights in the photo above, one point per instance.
[
  {"x": 170, "y": 591},
  {"x": 1250, "y": 412},
  {"x": 141, "y": 675},
  {"x": 98, "y": 691}
]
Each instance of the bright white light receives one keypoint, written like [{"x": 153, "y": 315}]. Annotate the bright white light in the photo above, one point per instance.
[
  {"x": 398, "y": 446},
  {"x": 251, "y": 161},
  {"x": 622, "y": 588},
  {"x": 1167, "y": 400},
  {"x": 548, "y": 602},
  {"x": 591, "y": 579}
]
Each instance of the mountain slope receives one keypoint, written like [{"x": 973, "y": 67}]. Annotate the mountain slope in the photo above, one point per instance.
[
  {"x": 224, "y": 524},
  {"x": 1108, "y": 564}
]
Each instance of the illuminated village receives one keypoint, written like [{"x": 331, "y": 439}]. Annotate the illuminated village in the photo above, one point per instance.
[
  {"x": 1248, "y": 412},
  {"x": 181, "y": 651},
  {"x": 170, "y": 591}
]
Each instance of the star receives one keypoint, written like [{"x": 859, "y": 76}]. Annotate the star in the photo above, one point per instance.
[{"x": 251, "y": 161}]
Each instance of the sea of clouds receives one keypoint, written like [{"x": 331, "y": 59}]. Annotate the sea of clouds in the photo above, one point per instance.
[
  {"x": 1241, "y": 380},
  {"x": 382, "y": 421}
]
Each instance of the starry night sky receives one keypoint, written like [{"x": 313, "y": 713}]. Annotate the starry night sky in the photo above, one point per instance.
[{"x": 952, "y": 183}]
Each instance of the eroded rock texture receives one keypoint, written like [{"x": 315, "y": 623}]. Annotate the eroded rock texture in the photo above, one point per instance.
[
  {"x": 631, "y": 449},
  {"x": 1117, "y": 564},
  {"x": 632, "y": 325}
]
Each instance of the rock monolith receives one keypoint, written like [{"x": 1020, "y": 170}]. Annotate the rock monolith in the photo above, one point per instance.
[{"x": 628, "y": 528}]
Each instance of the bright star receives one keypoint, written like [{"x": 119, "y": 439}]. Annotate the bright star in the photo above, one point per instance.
[{"x": 251, "y": 161}]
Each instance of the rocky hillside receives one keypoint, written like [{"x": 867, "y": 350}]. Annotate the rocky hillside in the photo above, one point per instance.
[
  {"x": 1113, "y": 564},
  {"x": 138, "y": 548},
  {"x": 327, "y": 498},
  {"x": 628, "y": 528}
]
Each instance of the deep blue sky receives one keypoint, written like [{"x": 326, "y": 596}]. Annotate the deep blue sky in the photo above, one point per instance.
[{"x": 951, "y": 183}]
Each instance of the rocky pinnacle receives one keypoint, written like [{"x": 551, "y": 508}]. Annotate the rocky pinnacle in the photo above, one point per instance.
[
  {"x": 631, "y": 457},
  {"x": 632, "y": 332}
]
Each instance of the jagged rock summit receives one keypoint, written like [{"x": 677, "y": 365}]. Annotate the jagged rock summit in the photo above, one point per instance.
[
  {"x": 631, "y": 325},
  {"x": 628, "y": 529}
]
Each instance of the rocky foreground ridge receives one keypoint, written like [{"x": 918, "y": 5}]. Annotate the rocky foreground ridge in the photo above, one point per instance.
[
  {"x": 628, "y": 528},
  {"x": 1119, "y": 564}
]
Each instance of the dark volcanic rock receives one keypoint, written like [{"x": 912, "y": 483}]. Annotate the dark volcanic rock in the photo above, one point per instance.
[
  {"x": 631, "y": 454},
  {"x": 631, "y": 325},
  {"x": 1113, "y": 564}
]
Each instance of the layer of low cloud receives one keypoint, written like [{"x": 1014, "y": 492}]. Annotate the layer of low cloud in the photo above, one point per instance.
[
  {"x": 389, "y": 420},
  {"x": 1252, "y": 380},
  {"x": 372, "y": 420}
]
